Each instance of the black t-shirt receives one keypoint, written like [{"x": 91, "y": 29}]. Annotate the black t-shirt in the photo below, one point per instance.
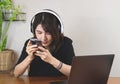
[{"x": 40, "y": 68}]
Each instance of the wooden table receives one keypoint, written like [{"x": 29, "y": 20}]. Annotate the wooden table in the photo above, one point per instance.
[{"x": 10, "y": 79}]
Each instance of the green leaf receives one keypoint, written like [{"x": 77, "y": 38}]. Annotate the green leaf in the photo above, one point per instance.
[
  {"x": 1, "y": 24},
  {"x": 3, "y": 44}
]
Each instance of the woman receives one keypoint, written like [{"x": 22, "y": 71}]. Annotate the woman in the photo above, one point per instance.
[{"x": 54, "y": 57}]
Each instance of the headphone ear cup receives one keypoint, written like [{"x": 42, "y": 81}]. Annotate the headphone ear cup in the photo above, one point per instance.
[
  {"x": 31, "y": 25},
  {"x": 59, "y": 27},
  {"x": 31, "y": 28}
]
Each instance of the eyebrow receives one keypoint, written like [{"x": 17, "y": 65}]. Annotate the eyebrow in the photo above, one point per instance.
[{"x": 38, "y": 30}]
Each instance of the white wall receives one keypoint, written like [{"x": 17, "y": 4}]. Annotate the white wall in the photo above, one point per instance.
[{"x": 94, "y": 26}]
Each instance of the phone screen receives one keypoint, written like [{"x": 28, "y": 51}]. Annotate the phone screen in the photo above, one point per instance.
[{"x": 35, "y": 41}]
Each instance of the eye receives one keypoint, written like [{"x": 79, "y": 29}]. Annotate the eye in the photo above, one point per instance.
[
  {"x": 48, "y": 33},
  {"x": 38, "y": 32}
]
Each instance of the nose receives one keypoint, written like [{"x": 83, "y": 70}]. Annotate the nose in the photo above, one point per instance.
[{"x": 44, "y": 37}]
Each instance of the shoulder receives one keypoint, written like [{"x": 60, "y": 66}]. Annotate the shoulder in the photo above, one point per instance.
[{"x": 67, "y": 40}]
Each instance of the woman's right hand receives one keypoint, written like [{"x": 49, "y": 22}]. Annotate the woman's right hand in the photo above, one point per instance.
[
  {"x": 21, "y": 67},
  {"x": 31, "y": 49}
]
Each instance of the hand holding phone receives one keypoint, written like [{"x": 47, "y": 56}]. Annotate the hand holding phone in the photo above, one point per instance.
[{"x": 36, "y": 41}]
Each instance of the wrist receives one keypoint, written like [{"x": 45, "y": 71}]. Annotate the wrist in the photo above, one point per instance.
[
  {"x": 56, "y": 63},
  {"x": 59, "y": 66},
  {"x": 30, "y": 57}
]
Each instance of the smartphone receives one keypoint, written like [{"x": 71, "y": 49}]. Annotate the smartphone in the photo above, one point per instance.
[{"x": 35, "y": 41}]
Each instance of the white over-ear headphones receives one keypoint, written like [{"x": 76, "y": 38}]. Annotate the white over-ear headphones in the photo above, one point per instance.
[{"x": 60, "y": 26}]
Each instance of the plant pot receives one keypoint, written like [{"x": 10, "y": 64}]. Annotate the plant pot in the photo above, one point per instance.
[
  {"x": 7, "y": 14},
  {"x": 7, "y": 60}
]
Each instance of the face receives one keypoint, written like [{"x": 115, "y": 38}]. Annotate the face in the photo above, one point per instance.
[{"x": 45, "y": 37}]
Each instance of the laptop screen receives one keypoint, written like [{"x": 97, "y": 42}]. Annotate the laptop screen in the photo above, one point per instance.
[{"x": 91, "y": 69}]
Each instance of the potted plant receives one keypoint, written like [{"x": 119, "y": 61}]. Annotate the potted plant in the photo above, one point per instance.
[{"x": 6, "y": 55}]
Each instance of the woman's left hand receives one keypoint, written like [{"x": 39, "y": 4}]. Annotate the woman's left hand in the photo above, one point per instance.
[{"x": 44, "y": 54}]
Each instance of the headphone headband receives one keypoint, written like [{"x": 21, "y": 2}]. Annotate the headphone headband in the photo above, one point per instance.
[{"x": 51, "y": 12}]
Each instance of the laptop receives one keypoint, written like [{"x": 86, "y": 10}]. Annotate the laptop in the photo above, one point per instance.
[{"x": 89, "y": 69}]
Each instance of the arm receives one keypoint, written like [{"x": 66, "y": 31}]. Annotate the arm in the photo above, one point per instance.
[
  {"x": 25, "y": 59},
  {"x": 21, "y": 67},
  {"x": 65, "y": 55}
]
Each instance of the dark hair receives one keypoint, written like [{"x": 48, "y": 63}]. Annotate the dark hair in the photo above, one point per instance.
[{"x": 50, "y": 24}]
